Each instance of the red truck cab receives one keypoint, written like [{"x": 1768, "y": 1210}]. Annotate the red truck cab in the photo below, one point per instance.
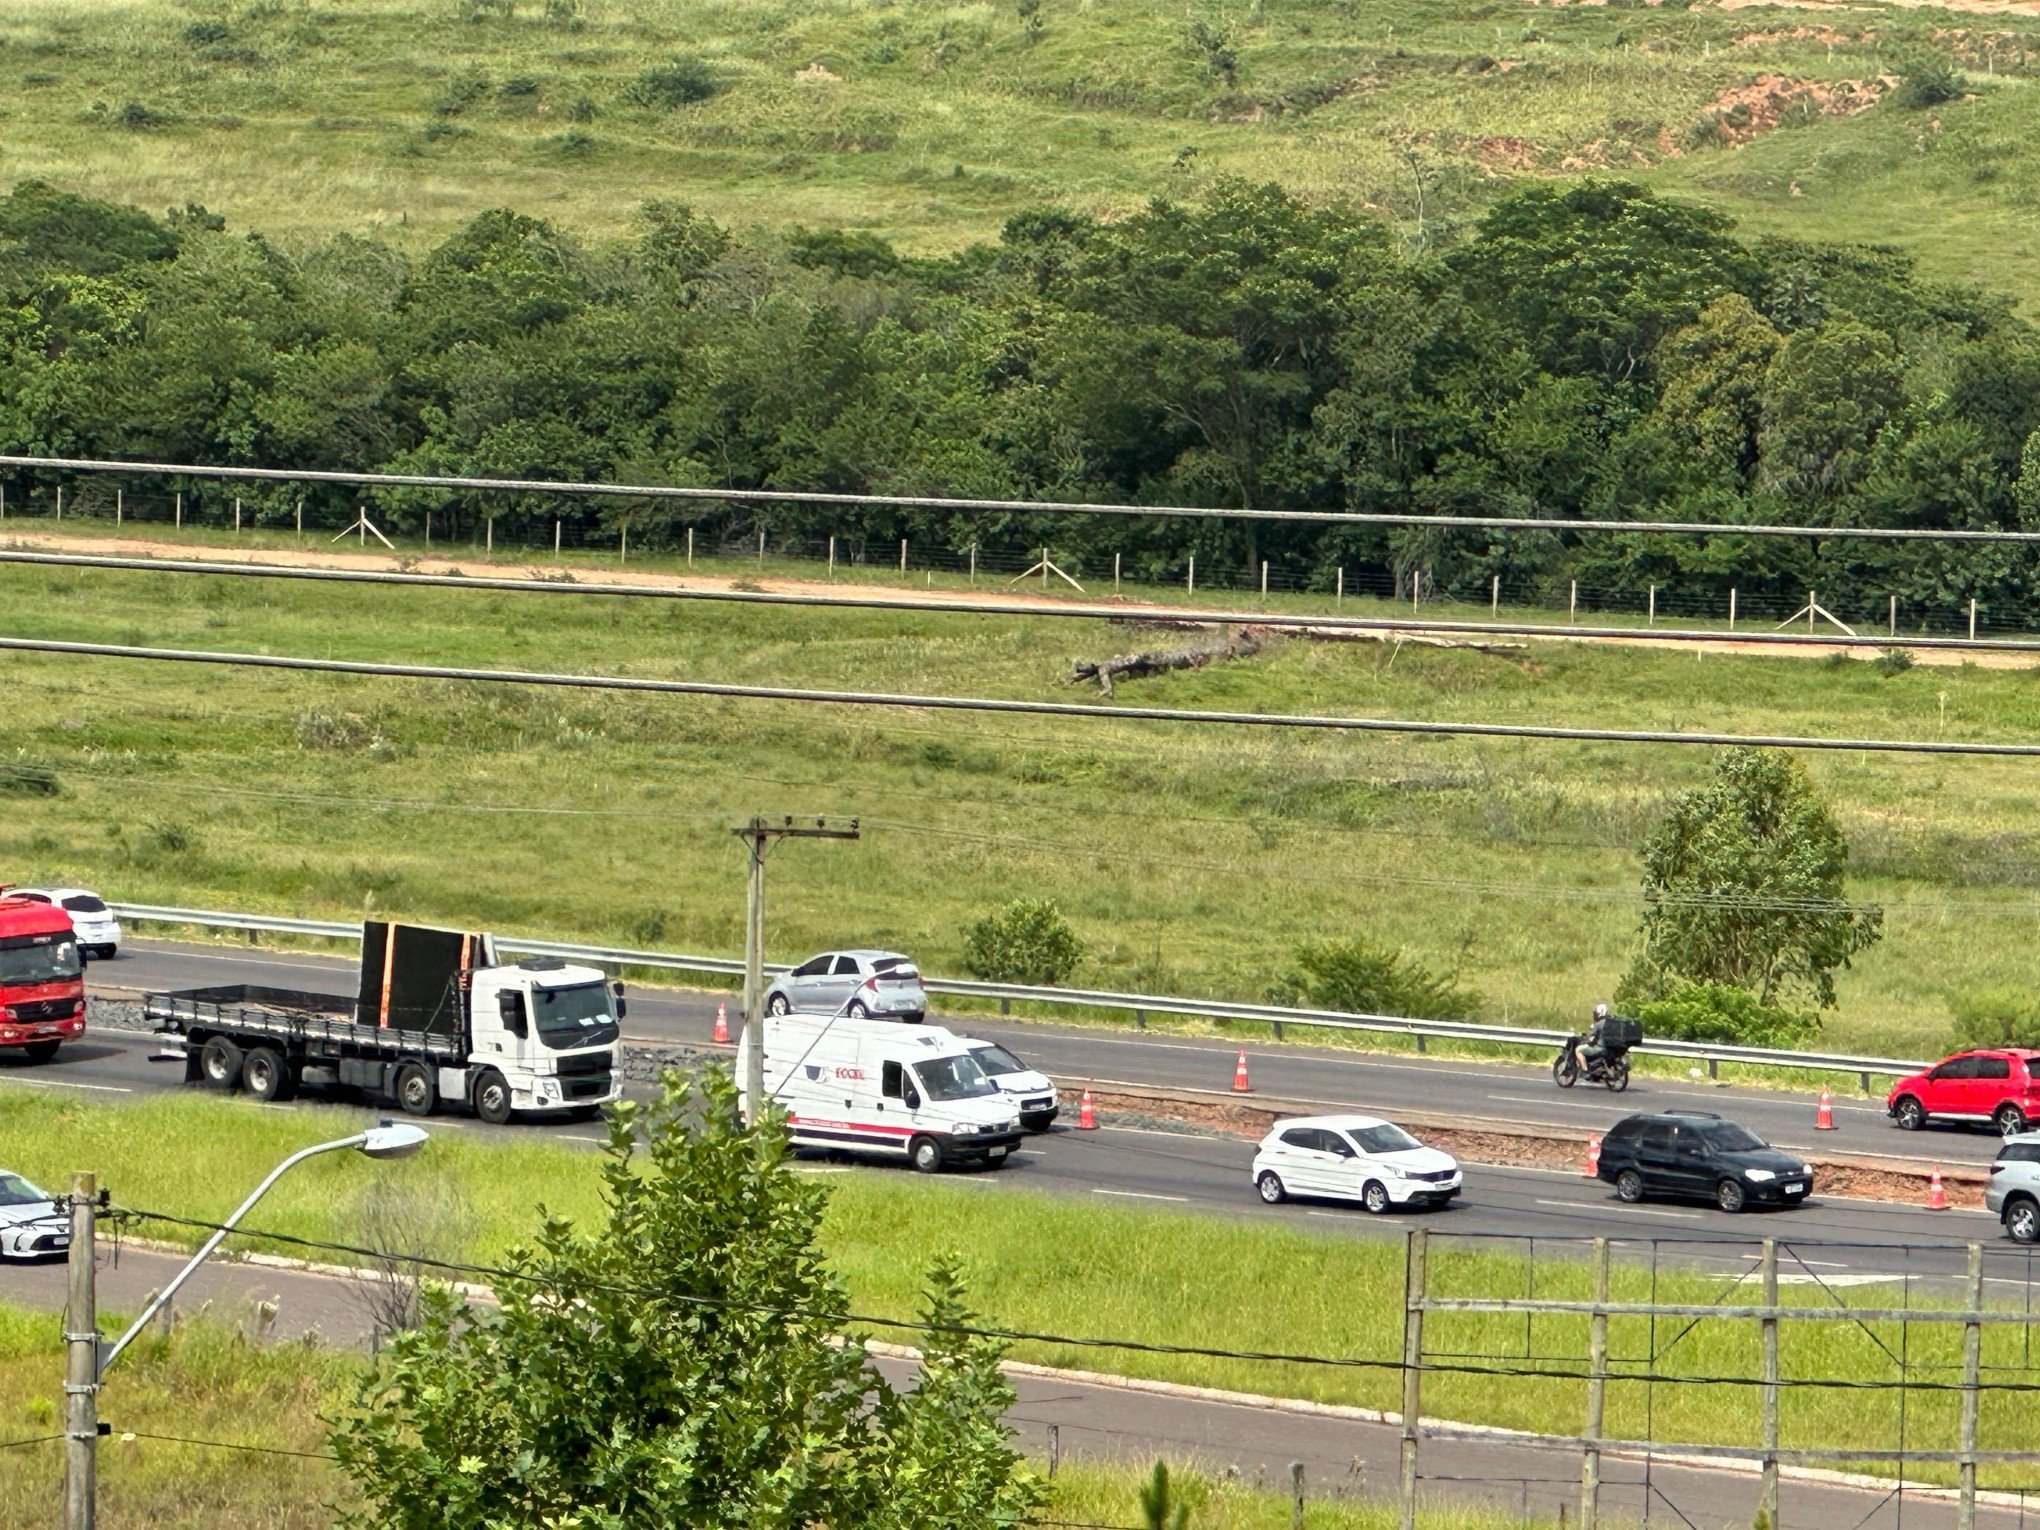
[
  {"x": 42, "y": 978},
  {"x": 2000, "y": 1085}
]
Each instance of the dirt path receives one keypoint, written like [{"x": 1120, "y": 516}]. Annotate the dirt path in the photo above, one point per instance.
[{"x": 989, "y": 599}]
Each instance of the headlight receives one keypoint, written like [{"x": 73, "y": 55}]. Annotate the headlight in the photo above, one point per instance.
[
  {"x": 1761, "y": 1176},
  {"x": 1393, "y": 1172},
  {"x": 966, "y": 1129}
]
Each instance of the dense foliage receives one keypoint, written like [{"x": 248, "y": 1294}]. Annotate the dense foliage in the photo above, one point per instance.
[
  {"x": 1027, "y": 941},
  {"x": 1361, "y": 978},
  {"x": 1724, "y": 1012},
  {"x": 1585, "y": 350}
]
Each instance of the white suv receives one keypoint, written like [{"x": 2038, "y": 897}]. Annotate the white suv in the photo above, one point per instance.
[
  {"x": 1353, "y": 1158},
  {"x": 2014, "y": 1188},
  {"x": 98, "y": 931}
]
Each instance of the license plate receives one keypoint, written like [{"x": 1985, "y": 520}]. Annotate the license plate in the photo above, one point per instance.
[
  {"x": 998, "y": 1152},
  {"x": 1795, "y": 1189}
]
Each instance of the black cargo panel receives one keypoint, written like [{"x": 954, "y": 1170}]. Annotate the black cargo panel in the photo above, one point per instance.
[{"x": 411, "y": 976}]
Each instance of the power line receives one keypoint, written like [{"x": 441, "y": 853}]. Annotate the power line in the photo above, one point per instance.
[
  {"x": 582, "y": 489},
  {"x": 260, "y": 1450},
  {"x": 1006, "y": 606},
  {"x": 1316, "y": 723}
]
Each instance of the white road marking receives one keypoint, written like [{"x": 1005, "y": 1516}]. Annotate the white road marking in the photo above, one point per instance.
[
  {"x": 1634, "y": 1211},
  {"x": 572, "y": 1138},
  {"x": 1149, "y": 1131},
  {"x": 58, "y": 1083},
  {"x": 1137, "y": 1195}
]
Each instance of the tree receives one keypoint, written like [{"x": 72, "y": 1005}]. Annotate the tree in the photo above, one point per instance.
[
  {"x": 1162, "y": 1504},
  {"x": 680, "y": 1363},
  {"x": 1742, "y": 885},
  {"x": 1027, "y": 941}
]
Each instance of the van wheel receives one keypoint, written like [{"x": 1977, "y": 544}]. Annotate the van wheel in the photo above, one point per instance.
[
  {"x": 1629, "y": 1186},
  {"x": 1911, "y": 1115},
  {"x": 2022, "y": 1221},
  {"x": 2009, "y": 1120},
  {"x": 40, "y": 1051},
  {"x": 492, "y": 1098},
  {"x": 1271, "y": 1187},
  {"x": 266, "y": 1076},
  {"x": 926, "y": 1155},
  {"x": 220, "y": 1062},
  {"x": 416, "y": 1093},
  {"x": 1728, "y": 1195}
]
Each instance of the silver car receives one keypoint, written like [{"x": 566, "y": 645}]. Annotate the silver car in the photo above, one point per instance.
[
  {"x": 881, "y": 985},
  {"x": 31, "y": 1226},
  {"x": 2014, "y": 1188}
]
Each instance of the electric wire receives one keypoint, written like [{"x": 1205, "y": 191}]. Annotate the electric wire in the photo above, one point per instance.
[{"x": 1016, "y": 706}]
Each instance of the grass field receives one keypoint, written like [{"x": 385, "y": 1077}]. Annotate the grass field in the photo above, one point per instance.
[
  {"x": 1044, "y": 1265},
  {"x": 1190, "y": 860},
  {"x": 930, "y": 121}
]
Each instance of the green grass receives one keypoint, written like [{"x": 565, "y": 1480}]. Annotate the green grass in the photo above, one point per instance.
[
  {"x": 931, "y": 122},
  {"x": 1047, "y": 1265},
  {"x": 1190, "y": 860}
]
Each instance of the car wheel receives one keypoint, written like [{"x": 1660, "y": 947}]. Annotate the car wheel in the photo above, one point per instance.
[
  {"x": 416, "y": 1093},
  {"x": 915, "y": 1017},
  {"x": 220, "y": 1062},
  {"x": 2009, "y": 1120},
  {"x": 265, "y": 1075},
  {"x": 492, "y": 1098},
  {"x": 1911, "y": 1115},
  {"x": 1039, "y": 1123},
  {"x": 1374, "y": 1196},
  {"x": 1565, "y": 1073},
  {"x": 857, "y": 1011},
  {"x": 1269, "y": 1183},
  {"x": 2022, "y": 1221},
  {"x": 777, "y": 1005},
  {"x": 1629, "y": 1186},
  {"x": 926, "y": 1155},
  {"x": 1728, "y": 1195},
  {"x": 40, "y": 1051}
]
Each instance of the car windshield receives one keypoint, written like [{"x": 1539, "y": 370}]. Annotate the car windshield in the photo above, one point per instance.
[
  {"x": 1383, "y": 1139},
  {"x": 953, "y": 1078},
  {"x": 16, "y": 1191},
  {"x": 577, "y": 1016},
  {"x": 996, "y": 1059},
  {"x": 85, "y": 903},
  {"x": 50, "y": 963},
  {"x": 1730, "y": 1138}
]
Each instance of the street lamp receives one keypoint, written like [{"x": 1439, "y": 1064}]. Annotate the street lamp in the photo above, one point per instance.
[{"x": 89, "y": 1362}]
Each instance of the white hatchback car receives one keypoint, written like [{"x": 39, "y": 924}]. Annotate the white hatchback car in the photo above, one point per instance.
[
  {"x": 1353, "y": 1158},
  {"x": 98, "y": 931}
]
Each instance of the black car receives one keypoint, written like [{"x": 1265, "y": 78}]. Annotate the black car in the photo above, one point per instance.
[{"x": 1700, "y": 1157}]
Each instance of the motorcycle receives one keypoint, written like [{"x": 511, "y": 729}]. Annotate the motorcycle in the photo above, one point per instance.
[{"x": 1609, "y": 1067}]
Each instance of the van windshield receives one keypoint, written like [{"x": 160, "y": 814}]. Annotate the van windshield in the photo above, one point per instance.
[
  {"x": 47, "y": 963},
  {"x": 577, "y": 1016},
  {"x": 953, "y": 1078}
]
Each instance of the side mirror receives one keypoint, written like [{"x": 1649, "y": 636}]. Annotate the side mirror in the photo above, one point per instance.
[
  {"x": 616, "y": 992},
  {"x": 913, "y": 1098},
  {"x": 510, "y": 1005}
]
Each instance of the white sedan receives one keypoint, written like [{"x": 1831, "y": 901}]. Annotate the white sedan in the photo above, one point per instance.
[
  {"x": 1353, "y": 1158},
  {"x": 98, "y": 931},
  {"x": 1033, "y": 1094},
  {"x": 31, "y": 1226}
]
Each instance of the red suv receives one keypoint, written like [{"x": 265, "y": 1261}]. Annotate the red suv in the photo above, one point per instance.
[{"x": 2001, "y": 1087}]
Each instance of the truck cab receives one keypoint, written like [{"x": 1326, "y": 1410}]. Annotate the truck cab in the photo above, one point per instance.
[
  {"x": 42, "y": 978},
  {"x": 550, "y": 1030}
]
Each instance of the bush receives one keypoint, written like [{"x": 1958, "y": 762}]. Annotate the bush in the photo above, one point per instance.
[
  {"x": 137, "y": 118},
  {"x": 1027, "y": 941},
  {"x": 1362, "y": 978},
  {"x": 1723, "y": 1012},
  {"x": 677, "y": 82},
  {"x": 22, "y": 777},
  {"x": 1893, "y": 661},
  {"x": 1928, "y": 81},
  {"x": 1996, "y": 1017}
]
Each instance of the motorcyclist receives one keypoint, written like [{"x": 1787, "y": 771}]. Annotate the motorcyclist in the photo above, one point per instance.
[{"x": 1594, "y": 1053}]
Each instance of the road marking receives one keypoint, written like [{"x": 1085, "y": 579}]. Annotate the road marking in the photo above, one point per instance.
[
  {"x": 1635, "y": 1211},
  {"x": 54, "y": 1083},
  {"x": 572, "y": 1138},
  {"x": 1137, "y": 1195},
  {"x": 1149, "y": 1131}
]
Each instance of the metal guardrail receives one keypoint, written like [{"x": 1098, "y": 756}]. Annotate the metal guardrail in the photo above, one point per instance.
[{"x": 1140, "y": 1005}]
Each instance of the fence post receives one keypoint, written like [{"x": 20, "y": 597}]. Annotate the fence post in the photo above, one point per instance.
[
  {"x": 1972, "y": 1380},
  {"x": 1340, "y": 598},
  {"x": 428, "y": 528},
  {"x": 1767, "y": 1491},
  {"x": 60, "y": 502},
  {"x": 237, "y": 514},
  {"x": 1044, "y": 568},
  {"x": 1597, "y": 1393},
  {"x": 1572, "y": 612},
  {"x": 301, "y": 519},
  {"x": 1731, "y": 608},
  {"x": 119, "y": 506},
  {"x": 832, "y": 555},
  {"x": 973, "y": 565},
  {"x": 623, "y": 547},
  {"x": 1296, "y": 1493},
  {"x": 1115, "y": 573},
  {"x": 1494, "y": 603},
  {"x": 1264, "y": 579},
  {"x": 690, "y": 547},
  {"x": 1652, "y": 619},
  {"x": 1972, "y": 618},
  {"x": 903, "y": 555},
  {"x": 1054, "y": 1449},
  {"x": 1812, "y": 600},
  {"x": 489, "y": 538},
  {"x": 1416, "y": 587},
  {"x": 1894, "y": 616},
  {"x": 556, "y": 539},
  {"x": 761, "y": 544},
  {"x": 180, "y": 515},
  {"x": 1190, "y": 580},
  {"x": 1415, "y": 1289},
  {"x": 3, "y": 501}
]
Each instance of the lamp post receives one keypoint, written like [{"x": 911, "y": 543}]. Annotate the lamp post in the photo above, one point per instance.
[{"x": 90, "y": 1359}]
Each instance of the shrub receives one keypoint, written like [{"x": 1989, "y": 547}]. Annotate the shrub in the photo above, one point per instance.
[
  {"x": 1893, "y": 661},
  {"x": 205, "y": 33},
  {"x": 137, "y": 118},
  {"x": 1996, "y": 1017},
  {"x": 677, "y": 82},
  {"x": 572, "y": 141},
  {"x": 23, "y": 777},
  {"x": 1723, "y": 1012},
  {"x": 1027, "y": 941},
  {"x": 1928, "y": 81},
  {"x": 1362, "y": 978}
]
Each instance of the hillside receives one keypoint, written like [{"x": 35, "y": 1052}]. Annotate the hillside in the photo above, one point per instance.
[{"x": 930, "y": 123}]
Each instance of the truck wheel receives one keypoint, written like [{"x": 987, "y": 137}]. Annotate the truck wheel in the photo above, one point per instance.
[
  {"x": 40, "y": 1051},
  {"x": 492, "y": 1098},
  {"x": 416, "y": 1094},
  {"x": 220, "y": 1062},
  {"x": 266, "y": 1075},
  {"x": 926, "y": 1154}
]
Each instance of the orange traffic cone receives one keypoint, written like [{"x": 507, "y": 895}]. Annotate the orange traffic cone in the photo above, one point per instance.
[
  {"x": 1593, "y": 1170},
  {"x": 1087, "y": 1120},
  {"x": 1824, "y": 1113},
  {"x": 1937, "y": 1198},
  {"x": 1239, "y": 1075},
  {"x": 722, "y": 1021}
]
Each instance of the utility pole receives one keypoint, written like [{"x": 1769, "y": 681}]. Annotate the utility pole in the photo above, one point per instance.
[
  {"x": 81, "y": 1352},
  {"x": 758, "y": 836}
]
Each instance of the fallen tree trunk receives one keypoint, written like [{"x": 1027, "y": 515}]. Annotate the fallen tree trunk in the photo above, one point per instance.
[{"x": 1137, "y": 666}]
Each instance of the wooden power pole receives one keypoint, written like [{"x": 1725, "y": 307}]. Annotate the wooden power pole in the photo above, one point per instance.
[{"x": 759, "y": 835}]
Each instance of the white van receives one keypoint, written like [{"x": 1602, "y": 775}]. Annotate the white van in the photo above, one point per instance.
[{"x": 880, "y": 1087}]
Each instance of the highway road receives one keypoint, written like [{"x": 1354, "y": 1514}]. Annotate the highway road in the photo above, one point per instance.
[{"x": 1157, "y": 1166}]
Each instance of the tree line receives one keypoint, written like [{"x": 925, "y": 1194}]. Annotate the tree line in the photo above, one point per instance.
[{"x": 1586, "y": 350}]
